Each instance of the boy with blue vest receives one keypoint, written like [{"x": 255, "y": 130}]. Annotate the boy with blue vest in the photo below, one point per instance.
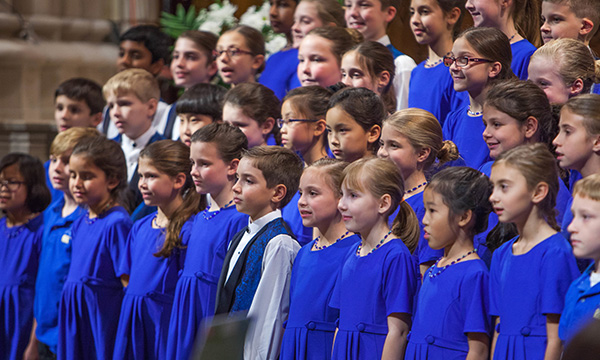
[{"x": 258, "y": 265}]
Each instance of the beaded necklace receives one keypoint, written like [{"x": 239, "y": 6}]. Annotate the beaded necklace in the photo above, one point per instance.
[
  {"x": 474, "y": 113},
  {"x": 429, "y": 64},
  {"x": 216, "y": 212},
  {"x": 13, "y": 233},
  {"x": 91, "y": 221},
  {"x": 317, "y": 247},
  {"x": 415, "y": 188},
  {"x": 376, "y": 246},
  {"x": 441, "y": 270}
]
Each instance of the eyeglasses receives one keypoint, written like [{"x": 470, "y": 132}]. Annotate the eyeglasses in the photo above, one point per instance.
[
  {"x": 462, "y": 61},
  {"x": 12, "y": 185},
  {"x": 281, "y": 122},
  {"x": 232, "y": 52}
]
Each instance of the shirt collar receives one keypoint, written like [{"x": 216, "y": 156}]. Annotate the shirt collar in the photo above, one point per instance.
[
  {"x": 141, "y": 141},
  {"x": 256, "y": 225},
  {"x": 384, "y": 40}
]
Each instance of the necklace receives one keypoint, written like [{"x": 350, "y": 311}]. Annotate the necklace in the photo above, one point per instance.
[
  {"x": 208, "y": 217},
  {"x": 429, "y": 64},
  {"x": 91, "y": 221},
  {"x": 376, "y": 246},
  {"x": 415, "y": 188},
  {"x": 317, "y": 247},
  {"x": 512, "y": 37},
  {"x": 474, "y": 113},
  {"x": 155, "y": 223},
  {"x": 8, "y": 233},
  {"x": 441, "y": 270}
]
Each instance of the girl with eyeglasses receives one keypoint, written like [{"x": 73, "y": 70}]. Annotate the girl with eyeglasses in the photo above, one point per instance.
[
  {"x": 240, "y": 55},
  {"x": 479, "y": 57}
]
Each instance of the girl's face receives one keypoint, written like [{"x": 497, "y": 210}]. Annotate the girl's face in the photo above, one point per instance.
[
  {"x": 502, "y": 132},
  {"x": 485, "y": 12},
  {"x": 281, "y": 15},
  {"x": 574, "y": 145},
  {"x": 354, "y": 75},
  {"x": 157, "y": 188},
  {"x": 511, "y": 198},
  {"x": 360, "y": 209},
  {"x": 318, "y": 202},
  {"x": 88, "y": 183},
  {"x": 209, "y": 172},
  {"x": 236, "y": 64},
  {"x": 427, "y": 21},
  {"x": 306, "y": 18},
  {"x": 255, "y": 132},
  {"x": 544, "y": 73},
  {"x": 348, "y": 141},
  {"x": 13, "y": 195},
  {"x": 474, "y": 76},
  {"x": 317, "y": 65},
  {"x": 296, "y": 135},
  {"x": 190, "y": 65},
  {"x": 396, "y": 147},
  {"x": 369, "y": 17},
  {"x": 190, "y": 123},
  {"x": 438, "y": 222},
  {"x": 58, "y": 171}
]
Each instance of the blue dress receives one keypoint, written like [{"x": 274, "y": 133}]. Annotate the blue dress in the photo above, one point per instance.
[
  {"x": 311, "y": 322},
  {"x": 196, "y": 289},
  {"x": 466, "y": 132},
  {"x": 523, "y": 289},
  {"x": 449, "y": 306},
  {"x": 432, "y": 89},
  {"x": 581, "y": 304},
  {"x": 281, "y": 72},
  {"x": 291, "y": 215},
  {"x": 146, "y": 310},
  {"x": 521, "y": 53},
  {"x": 20, "y": 248},
  {"x": 369, "y": 289},
  {"x": 91, "y": 299},
  {"x": 423, "y": 253},
  {"x": 55, "y": 261}
]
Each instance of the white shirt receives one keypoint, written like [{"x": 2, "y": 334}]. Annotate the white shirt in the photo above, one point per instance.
[
  {"x": 162, "y": 110},
  {"x": 594, "y": 278},
  {"x": 132, "y": 148},
  {"x": 270, "y": 305},
  {"x": 161, "y": 123},
  {"x": 404, "y": 66}
]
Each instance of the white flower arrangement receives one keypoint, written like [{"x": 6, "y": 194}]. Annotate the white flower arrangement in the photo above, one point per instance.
[{"x": 218, "y": 17}]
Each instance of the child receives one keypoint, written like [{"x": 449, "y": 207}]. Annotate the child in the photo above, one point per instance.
[
  {"x": 435, "y": 23},
  {"x": 564, "y": 68},
  {"x": 193, "y": 58},
  {"x": 311, "y": 14},
  {"x": 240, "y": 55},
  {"x": 455, "y": 290},
  {"x": 354, "y": 119},
  {"x": 310, "y": 328},
  {"x": 92, "y": 294},
  {"x": 23, "y": 196},
  {"x": 320, "y": 56},
  {"x": 479, "y": 56},
  {"x": 215, "y": 152},
  {"x": 377, "y": 284},
  {"x": 578, "y": 141},
  {"x": 517, "y": 20},
  {"x": 582, "y": 300},
  {"x": 574, "y": 19},
  {"x": 154, "y": 253},
  {"x": 55, "y": 257},
  {"x": 525, "y": 185},
  {"x": 412, "y": 140},
  {"x": 132, "y": 96},
  {"x": 198, "y": 106},
  {"x": 257, "y": 268},
  {"x": 371, "y": 65},
  {"x": 254, "y": 109},
  {"x": 372, "y": 19}
]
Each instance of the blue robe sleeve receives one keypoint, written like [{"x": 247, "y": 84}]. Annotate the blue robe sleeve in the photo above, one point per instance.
[
  {"x": 399, "y": 282},
  {"x": 558, "y": 270},
  {"x": 118, "y": 235},
  {"x": 475, "y": 303},
  {"x": 495, "y": 282}
]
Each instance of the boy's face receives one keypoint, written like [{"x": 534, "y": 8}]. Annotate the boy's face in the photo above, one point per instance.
[
  {"x": 58, "y": 171},
  {"x": 369, "y": 17},
  {"x": 134, "y": 55},
  {"x": 585, "y": 228},
  {"x": 70, "y": 113},
  {"x": 574, "y": 146},
  {"x": 190, "y": 123},
  {"x": 131, "y": 116},
  {"x": 558, "y": 21},
  {"x": 250, "y": 193}
]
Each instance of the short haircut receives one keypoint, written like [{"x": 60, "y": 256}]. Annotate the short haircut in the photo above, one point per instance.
[
  {"x": 278, "y": 166},
  {"x": 32, "y": 170},
  {"x": 66, "y": 140},
  {"x": 203, "y": 99},
  {"x": 81, "y": 89},
  {"x": 229, "y": 140},
  {"x": 137, "y": 81},
  {"x": 589, "y": 9},
  {"x": 156, "y": 41},
  {"x": 588, "y": 187}
]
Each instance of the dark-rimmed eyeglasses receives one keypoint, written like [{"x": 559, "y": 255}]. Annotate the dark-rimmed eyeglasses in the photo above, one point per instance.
[
  {"x": 463, "y": 60},
  {"x": 281, "y": 122},
  {"x": 232, "y": 52},
  {"x": 12, "y": 185}
]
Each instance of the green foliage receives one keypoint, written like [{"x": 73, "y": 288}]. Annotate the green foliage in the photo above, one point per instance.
[{"x": 175, "y": 25}]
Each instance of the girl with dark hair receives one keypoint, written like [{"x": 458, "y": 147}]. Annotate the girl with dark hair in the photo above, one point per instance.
[{"x": 240, "y": 55}]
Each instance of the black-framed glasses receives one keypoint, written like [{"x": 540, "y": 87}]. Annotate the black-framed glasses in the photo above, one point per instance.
[
  {"x": 232, "y": 52},
  {"x": 281, "y": 122},
  {"x": 463, "y": 60},
  {"x": 12, "y": 185}
]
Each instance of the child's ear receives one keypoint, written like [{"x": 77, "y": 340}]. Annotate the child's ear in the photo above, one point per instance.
[
  {"x": 279, "y": 192},
  {"x": 385, "y": 202},
  {"x": 596, "y": 146},
  {"x": 258, "y": 61},
  {"x": 423, "y": 154},
  {"x": 452, "y": 17},
  {"x": 232, "y": 167},
  {"x": 540, "y": 192},
  {"x": 319, "y": 128},
  {"x": 152, "y": 105},
  {"x": 390, "y": 14},
  {"x": 156, "y": 66},
  {"x": 383, "y": 80},
  {"x": 531, "y": 127},
  {"x": 495, "y": 70},
  {"x": 465, "y": 218},
  {"x": 179, "y": 181},
  {"x": 373, "y": 134},
  {"x": 212, "y": 68},
  {"x": 267, "y": 126},
  {"x": 587, "y": 26},
  {"x": 112, "y": 183},
  {"x": 96, "y": 119},
  {"x": 576, "y": 88}
]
